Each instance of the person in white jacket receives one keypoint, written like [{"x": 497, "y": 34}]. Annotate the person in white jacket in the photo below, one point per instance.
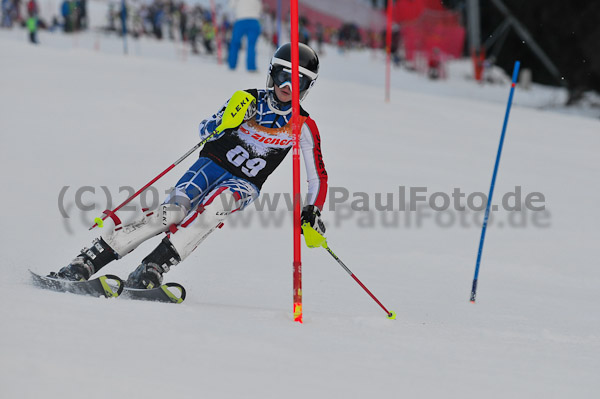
[{"x": 247, "y": 15}]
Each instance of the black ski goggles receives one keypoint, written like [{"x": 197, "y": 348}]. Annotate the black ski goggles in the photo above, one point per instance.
[{"x": 282, "y": 75}]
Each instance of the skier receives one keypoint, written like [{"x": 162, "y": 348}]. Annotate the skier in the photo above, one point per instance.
[{"x": 226, "y": 178}]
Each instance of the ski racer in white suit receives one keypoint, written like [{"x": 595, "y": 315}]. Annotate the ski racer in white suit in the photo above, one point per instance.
[{"x": 225, "y": 179}]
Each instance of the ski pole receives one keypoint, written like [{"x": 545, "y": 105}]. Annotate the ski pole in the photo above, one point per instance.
[
  {"x": 99, "y": 221},
  {"x": 489, "y": 200},
  {"x": 314, "y": 239},
  {"x": 233, "y": 116}
]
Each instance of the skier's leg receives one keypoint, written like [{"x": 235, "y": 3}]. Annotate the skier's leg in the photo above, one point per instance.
[
  {"x": 149, "y": 273},
  {"x": 124, "y": 239},
  {"x": 201, "y": 178},
  {"x": 88, "y": 262},
  {"x": 119, "y": 240},
  {"x": 230, "y": 196}
]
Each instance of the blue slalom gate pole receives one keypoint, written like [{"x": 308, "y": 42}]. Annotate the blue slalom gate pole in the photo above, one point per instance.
[{"x": 491, "y": 193}]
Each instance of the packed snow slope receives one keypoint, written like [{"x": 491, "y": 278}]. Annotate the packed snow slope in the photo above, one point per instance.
[{"x": 73, "y": 117}]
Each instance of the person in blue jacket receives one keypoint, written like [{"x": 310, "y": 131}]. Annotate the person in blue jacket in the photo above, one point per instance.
[
  {"x": 247, "y": 14},
  {"x": 66, "y": 14}
]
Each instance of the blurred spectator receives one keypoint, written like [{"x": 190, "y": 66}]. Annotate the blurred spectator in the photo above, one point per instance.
[
  {"x": 434, "y": 65},
  {"x": 111, "y": 18},
  {"x": 157, "y": 15},
  {"x": 32, "y": 9},
  {"x": 208, "y": 35},
  {"x": 7, "y": 11},
  {"x": 123, "y": 14},
  {"x": 226, "y": 28},
  {"x": 32, "y": 26},
  {"x": 66, "y": 14},
  {"x": 349, "y": 36},
  {"x": 170, "y": 18},
  {"x": 247, "y": 14},
  {"x": 82, "y": 22},
  {"x": 137, "y": 26},
  {"x": 395, "y": 49},
  {"x": 320, "y": 38},
  {"x": 183, "y": 21},
  {"x": 73, "y": 13},
  {"x": 304, "y": 34},
  {"x": 55, "y": 24},
  {"x": 268, "y": 24},
  {"x": 192, "y": 36},
  {"x": 17, "y": 8}
]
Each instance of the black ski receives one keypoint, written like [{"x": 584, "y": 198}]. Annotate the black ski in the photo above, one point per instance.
[
  {"x": 164, "y": 293},
  {"x": 109, "y": 286}
]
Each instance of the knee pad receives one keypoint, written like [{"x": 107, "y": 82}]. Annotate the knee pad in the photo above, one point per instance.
[
  {"x": 125, "y": 238},
  {"x": 221, "y": 203}
]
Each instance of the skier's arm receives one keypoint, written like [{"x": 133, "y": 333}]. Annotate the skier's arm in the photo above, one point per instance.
[
  {"x": 310, "y": 144},
  {"x": 209, "y": 125}
]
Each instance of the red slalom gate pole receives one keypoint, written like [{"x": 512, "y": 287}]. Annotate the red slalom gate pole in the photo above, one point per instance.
[
  {"x": 297, "y": 264},
  {"x": 388, "y": 51}
]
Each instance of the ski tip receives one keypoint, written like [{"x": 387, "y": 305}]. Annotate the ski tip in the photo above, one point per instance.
[
  {"x": 36, "y": 277},
  {"x": 171, "y": 295},
  {"x": 391, "y": 315},
  {"x": 112, "y": 285}
]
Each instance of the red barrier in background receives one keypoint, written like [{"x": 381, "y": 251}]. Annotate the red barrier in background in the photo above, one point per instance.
[
  {"x": 431, "y": 30},
  {"x": 409, "y": 10},
  {"x": 424, "y": 24},
  {"x": 333, "y": 14}
]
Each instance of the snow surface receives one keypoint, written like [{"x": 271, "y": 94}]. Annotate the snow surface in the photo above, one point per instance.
[{"x": 73, "y": 116}]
